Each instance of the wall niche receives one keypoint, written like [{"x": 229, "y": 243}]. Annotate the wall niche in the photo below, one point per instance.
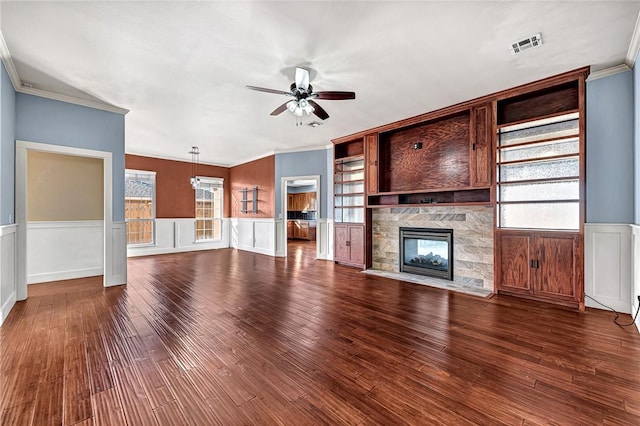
[{"x": 433, "y": 155}]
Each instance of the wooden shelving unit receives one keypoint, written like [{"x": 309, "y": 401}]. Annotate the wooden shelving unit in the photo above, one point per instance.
[{"x": 351, "y": 218}]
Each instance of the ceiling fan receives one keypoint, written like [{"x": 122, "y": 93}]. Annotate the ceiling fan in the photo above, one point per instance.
[{"x": 303, "y": 97}]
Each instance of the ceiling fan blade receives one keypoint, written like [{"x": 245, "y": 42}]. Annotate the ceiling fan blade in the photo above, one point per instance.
[
  {"x": 302, "y": 79},
  {"x": 280, "y": 109},
  {"x": 318, "y": 110},
  {"x": 335, "y": 96},
  {"x": 262, "y": 89}
]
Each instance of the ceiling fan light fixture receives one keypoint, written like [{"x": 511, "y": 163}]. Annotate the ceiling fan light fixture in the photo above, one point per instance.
[
  {"x": 304, "y": 97},
  {"x": 298, "y": 108}
]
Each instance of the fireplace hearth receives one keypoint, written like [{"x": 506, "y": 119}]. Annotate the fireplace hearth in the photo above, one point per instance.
[{"x": 426, "y": 251}]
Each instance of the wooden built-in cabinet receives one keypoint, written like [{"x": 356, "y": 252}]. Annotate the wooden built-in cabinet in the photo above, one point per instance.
[
  {"x": 371, "y": 161},
  {"x": 543, "y": 265},
  {"x": 539, "y": 161},
  {"x": 352, "y": 221},
  {"x": 350, "y": 244},
  {"x": 520, "y": 151},
  {"x": 444, "y": 160},
  {"x": 301, "y": 229},
  {"x": 481, "y": 164},
  {"x": 303, "y": 201}
]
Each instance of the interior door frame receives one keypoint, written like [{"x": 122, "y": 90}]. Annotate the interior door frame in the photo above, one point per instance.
[
  {"x": 22, "y": 149},
  {"x": 283, "y": 191}
]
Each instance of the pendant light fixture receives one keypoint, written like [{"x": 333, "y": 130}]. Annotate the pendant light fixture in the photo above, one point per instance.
[{"x": 195, "y": 158}]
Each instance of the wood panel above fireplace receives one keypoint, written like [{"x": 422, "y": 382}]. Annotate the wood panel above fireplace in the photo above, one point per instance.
[
  {"x": 445, "y": 160},
  {"x": 441, "y": 147}
]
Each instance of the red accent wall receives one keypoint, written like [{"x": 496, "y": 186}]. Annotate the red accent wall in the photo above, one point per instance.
[
  {"x": 174, "y": 196},
  {"x": 260, "y": 173}
]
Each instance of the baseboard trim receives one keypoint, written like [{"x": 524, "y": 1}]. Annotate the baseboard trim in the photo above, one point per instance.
[
  {"x": 64, "y": 275},
  {"x": 257, "y": 250},
  {"x": 7, "y": 306},
  {"x": 150, "y": 251}
]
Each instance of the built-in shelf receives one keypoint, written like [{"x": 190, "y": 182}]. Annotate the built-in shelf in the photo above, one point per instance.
[
  {"x": 347, "y": 159},
  {"x": 246, "y": 201},
  {"x": 480, "y": 196}
]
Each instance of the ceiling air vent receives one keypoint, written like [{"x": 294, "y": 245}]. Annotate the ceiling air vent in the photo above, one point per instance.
[{"x": 524, "y": 44}]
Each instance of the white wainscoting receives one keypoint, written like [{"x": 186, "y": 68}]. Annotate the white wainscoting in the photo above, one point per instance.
[
  {"x": 255, "y": 235},
  {"x": 179, "y": 235},
  {"x": 8, "y": 271},
  {"x": 324, "y": 239},
  {"x": 281, "y": 237},
  {"x": 607, "y": 266},
  {"x": 64, "y": 250},
  {"x": 635, "y": 267},
  {"x": 117, "y": 273}
]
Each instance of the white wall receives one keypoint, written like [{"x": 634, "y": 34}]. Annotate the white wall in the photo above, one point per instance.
[
  {"x": 178, "y": 235},
  {"x": 7, "y": 270},
  {"x": 117, "y": 258},
  {"x": 64, "y": 250},
  {"x": 635, "y": 270},
  {"x": 324, "y": 239},
  {"x": 607, "y": 266},
  {"x": 256, "y": 235}
]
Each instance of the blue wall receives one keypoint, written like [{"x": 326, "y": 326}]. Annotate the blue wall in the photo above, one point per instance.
[
  {"x": 305, "y": 163},
  {"x": 7, "y": 148},
  {"x": 59, "y": 123},
  {"x": 610, "y": 151}
]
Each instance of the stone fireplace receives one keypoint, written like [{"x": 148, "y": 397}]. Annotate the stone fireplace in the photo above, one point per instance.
[
  {"x": 472, "y": 237},
  {"x": 426, "y": 251}
]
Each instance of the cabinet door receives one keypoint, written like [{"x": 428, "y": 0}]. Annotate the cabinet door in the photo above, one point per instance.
[
  {"x": 371, "y": 152},
  {"x": 289, "y": 229},
  {"x": 304, "y": 230},
  {"x": 514, "y": 267},
  {"x": 481, "y": 164},
  {"x": 296, "y": 229},
  {"x": 307, "y": 201},
  {"x": 290, "y": 198},
  {"x": 312, "y": 201},
  {"x": 356, "y": 244},
  {"x": 559, "y": 261},
  {"x": 341, "y": 243}
]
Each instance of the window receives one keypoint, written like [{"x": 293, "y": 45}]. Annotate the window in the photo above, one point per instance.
[
  {"x": 539, "y": 174},
  {"x": 209, "y": 209},
  {"x": 139, "y": 206}
]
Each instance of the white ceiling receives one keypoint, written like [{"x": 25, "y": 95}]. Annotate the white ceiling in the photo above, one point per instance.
[{"x": 181, "y": 67}]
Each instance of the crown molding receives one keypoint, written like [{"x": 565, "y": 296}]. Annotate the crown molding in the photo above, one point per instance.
[
  {"x": 634, "y": 45},
  {"x": 169, "y": 158},
  {"x": 5, "y": 56},
  {"x": 72, "y": 100},
  {"x": 301, "y": 149},
  {"x": 607, "y": 72},
  {"x": 8, "y": 64}
]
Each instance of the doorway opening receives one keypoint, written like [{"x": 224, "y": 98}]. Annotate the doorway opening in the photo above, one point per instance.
[
  {"x": 100, "y": 227},
  {"x": 300, "y": 214}
]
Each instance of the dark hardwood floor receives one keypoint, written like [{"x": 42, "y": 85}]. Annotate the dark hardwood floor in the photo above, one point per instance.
[{"x": 229, "y": 337}]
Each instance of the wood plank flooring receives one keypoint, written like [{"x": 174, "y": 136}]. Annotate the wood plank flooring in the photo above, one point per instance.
[{"x": 232, "y": 338}]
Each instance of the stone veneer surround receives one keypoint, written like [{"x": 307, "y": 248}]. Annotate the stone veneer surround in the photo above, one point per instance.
[{"x": 472, "y": 239}]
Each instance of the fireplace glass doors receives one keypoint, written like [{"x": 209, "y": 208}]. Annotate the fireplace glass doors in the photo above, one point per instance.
[{"x": 427, "y": 252}]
